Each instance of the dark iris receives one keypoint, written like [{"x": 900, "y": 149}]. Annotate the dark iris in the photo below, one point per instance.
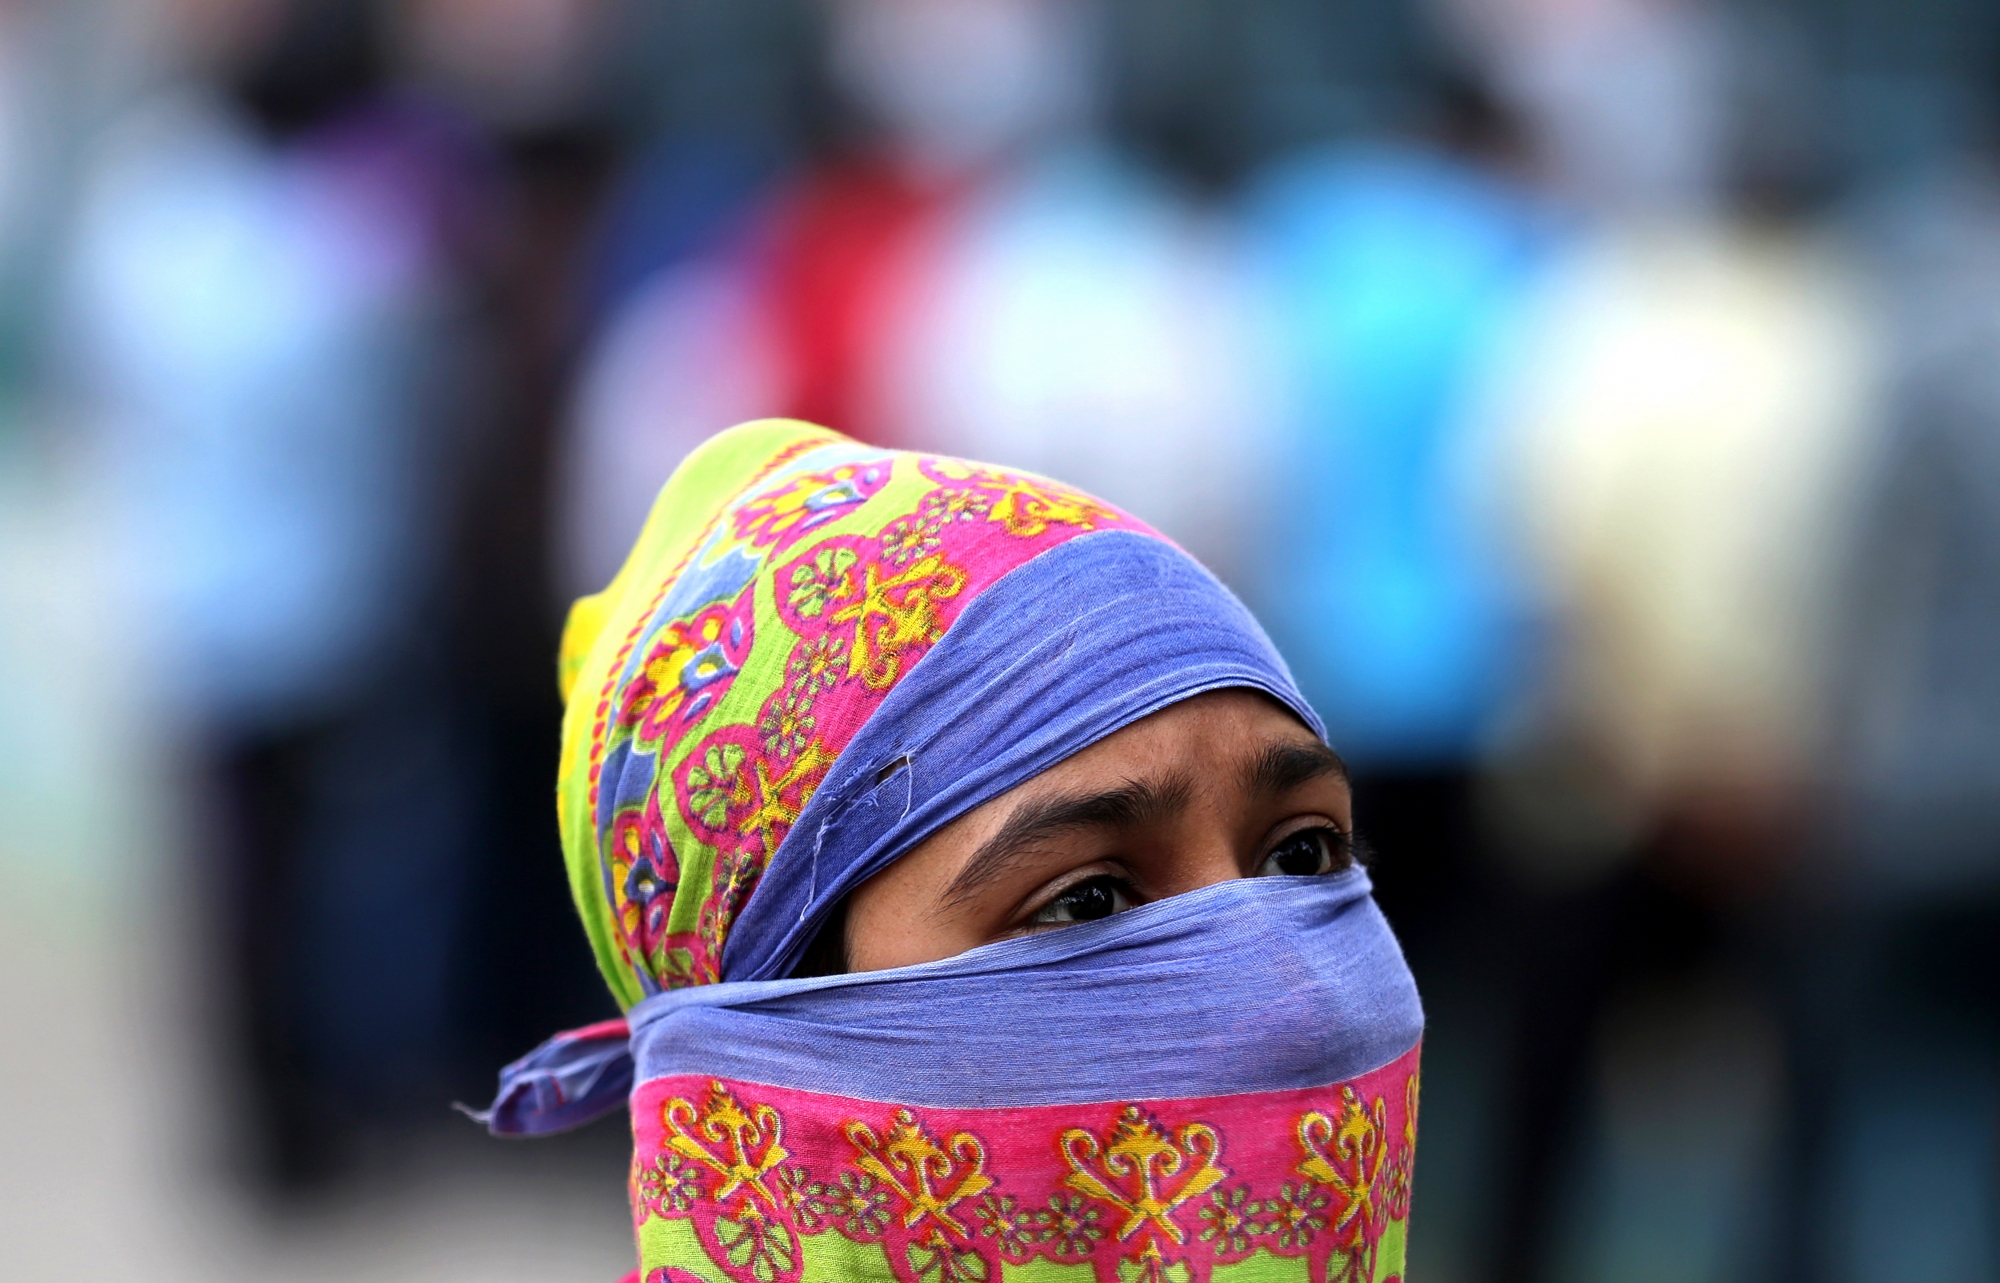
[
  {"x": 1305, "y": 853},
  {"x": 1089, "y": 901}
]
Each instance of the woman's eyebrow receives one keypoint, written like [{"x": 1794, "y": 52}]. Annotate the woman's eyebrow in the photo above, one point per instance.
[
  {"x": 1134, "y": 803},
  {"x": 1285, "y": 765}
]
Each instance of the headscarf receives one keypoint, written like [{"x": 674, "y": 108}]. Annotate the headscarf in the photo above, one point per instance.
[{"x": 818, "y": 654}]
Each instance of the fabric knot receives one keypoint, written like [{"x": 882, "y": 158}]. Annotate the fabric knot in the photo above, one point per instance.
[{"x": 574, "y": 1078}]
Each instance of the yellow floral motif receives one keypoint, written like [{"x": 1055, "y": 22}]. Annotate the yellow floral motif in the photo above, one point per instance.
[
  {"x": 908, "y": 538},
  {"x": 1359, "y": 1144},
  {"x": 894, "y": 613},
  {"x": 1028, "y": 509},
  {"x": 1029, "y": 506},
  {"x": 936, "y": 1260},
  {"x": 749, "y": 1141},
  {"x": 1230, "y": 1218},
  {"x": 1396, "y": 1184},
  {"x": 816, "y": 665},
  {"x": 1152, "y": 1267},
  {"x": 787, "y": 723},
  {"x": 1130, "y": 1169},
  {"x": 916, "y": 1166},
  {"x": 685, "y": 658},
  {"x": 942, "y": 507},
  {"x": 801, "y": 501},
  {"x": 772, "y": 815}
]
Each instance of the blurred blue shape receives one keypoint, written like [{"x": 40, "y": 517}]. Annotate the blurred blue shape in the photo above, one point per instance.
[
  {"x": 681, "y": 197},
  {"x": 252, "y": 326},
  {"x": 1390, "y": 271}
]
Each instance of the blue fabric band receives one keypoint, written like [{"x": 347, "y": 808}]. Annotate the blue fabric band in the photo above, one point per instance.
[
  {"x": 1262, "y": 984},
  {"x": 1088, "y": 637}
]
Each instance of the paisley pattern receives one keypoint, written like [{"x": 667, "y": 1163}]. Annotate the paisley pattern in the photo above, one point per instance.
[
  {"x": 806, "y": 597},
  {"x": 769, "y": 1185}
]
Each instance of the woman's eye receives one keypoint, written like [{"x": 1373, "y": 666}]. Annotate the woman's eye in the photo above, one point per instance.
[
  {"x": 1308, "y": 852},
  {"x": 1084, "y": 902}
]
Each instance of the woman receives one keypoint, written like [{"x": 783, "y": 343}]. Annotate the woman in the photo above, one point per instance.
[{"x": 982, "y": 891}]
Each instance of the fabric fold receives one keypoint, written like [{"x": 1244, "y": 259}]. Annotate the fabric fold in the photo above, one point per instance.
[
  {"x": 1260, "y": 984},
  {"x": 574, "y": 1078}
]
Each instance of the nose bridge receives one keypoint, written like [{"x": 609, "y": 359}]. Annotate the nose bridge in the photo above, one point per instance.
[{"x": 1205, "y": 850}]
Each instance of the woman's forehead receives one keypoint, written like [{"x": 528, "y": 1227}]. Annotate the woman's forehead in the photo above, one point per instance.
[{"x": 1225, "y": 735}]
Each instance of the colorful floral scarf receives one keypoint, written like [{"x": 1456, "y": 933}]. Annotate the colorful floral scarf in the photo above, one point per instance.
[{"x": 1217, "y": 1086}]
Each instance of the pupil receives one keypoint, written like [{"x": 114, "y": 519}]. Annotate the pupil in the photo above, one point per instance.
[
  {"x": 1299, "y": 856},
  {"x": 1090, "y": 901}
]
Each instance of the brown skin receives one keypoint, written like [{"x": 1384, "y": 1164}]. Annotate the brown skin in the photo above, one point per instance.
[{"x": 1225, "y": 785}]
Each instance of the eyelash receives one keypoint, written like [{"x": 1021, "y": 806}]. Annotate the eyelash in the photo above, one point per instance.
[
  {"x": 1346, "y": 849},
  {"x": 1118, "y": 886},
  {"x": 1339, "y": 850}
]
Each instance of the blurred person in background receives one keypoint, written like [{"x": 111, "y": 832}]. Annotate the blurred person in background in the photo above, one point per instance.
[
  {"x": 525, "y": 78},
  {"x": 1391, "y": 268},
  {"x": 307, "y": 319},
  {"x": 1681, "y": 422},
  {"x": 1687, "y": 445},
  {"x": 1627, "y": 102},
  {"x": 1896, "y": 950},
  {"x": 258, "y": 300},
  {"x": 970, "y": 268}
]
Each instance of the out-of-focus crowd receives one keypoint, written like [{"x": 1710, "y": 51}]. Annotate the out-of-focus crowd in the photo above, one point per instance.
[{"x": 1599, "y": 401}]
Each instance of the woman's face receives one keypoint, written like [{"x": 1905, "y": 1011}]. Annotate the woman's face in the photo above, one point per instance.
[{"x": 1224, "y": 785}]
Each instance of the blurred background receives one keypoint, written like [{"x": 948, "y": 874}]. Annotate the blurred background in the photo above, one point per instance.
[{"x": 1598, "y": 399}]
